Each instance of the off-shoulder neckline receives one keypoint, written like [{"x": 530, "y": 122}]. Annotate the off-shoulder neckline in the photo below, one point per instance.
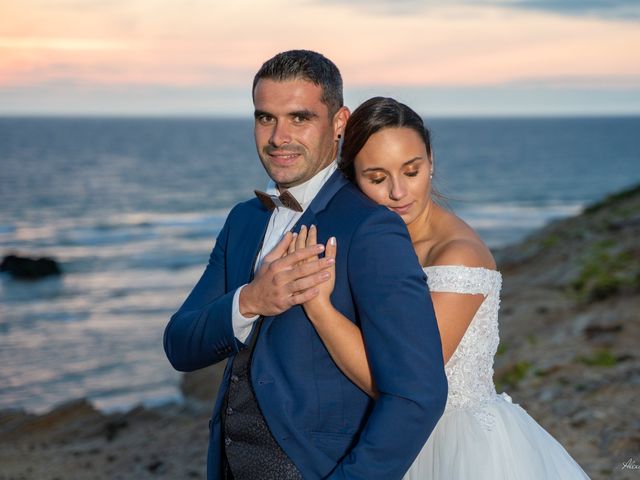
[{"x": 431, "y": 267}]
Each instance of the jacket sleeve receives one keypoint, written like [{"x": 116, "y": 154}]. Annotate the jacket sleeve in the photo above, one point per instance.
[
  {"x": 200, "y": 333},
  {"x": 403, "y": 347}
]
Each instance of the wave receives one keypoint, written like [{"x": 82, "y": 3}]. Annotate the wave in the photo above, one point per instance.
[
  {"x": 500, "y": 215},
  {"x": 116, "y": 229},
  {"x": 500, "y": 224}
]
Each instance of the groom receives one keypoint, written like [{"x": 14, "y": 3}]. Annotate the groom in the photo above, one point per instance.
[{"x": 284, "y": 409}]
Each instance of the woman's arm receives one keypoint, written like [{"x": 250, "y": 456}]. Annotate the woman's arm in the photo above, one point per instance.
[
  {"x": 343, "y": 339},
  {"x": 340, "y": 336}
]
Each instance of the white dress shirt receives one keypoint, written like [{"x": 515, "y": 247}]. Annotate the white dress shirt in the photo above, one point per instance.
[{"x": 281, "y": 221}]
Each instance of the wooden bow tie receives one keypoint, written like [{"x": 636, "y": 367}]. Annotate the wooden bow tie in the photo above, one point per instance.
[{"x": 285, "y": 199}]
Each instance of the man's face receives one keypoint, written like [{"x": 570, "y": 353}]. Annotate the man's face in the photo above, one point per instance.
[{"x": 294, "y": 135}]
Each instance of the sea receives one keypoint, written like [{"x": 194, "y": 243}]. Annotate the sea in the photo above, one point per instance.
[{"x": 131, "y": 207}]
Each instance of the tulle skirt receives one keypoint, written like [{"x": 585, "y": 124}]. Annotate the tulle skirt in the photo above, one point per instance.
[{"x": 499, "y": 441}]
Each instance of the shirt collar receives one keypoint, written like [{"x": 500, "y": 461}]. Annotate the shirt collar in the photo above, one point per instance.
[{"x": 306, "y": 192}]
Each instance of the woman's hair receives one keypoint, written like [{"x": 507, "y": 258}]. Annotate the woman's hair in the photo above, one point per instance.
[{"x": 372, "y": 116}]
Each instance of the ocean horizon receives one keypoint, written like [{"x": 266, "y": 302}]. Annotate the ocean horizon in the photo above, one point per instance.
[{"x": 131, "y": 207}]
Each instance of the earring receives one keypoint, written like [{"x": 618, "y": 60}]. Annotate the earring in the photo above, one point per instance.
[{"x": 431, "y": 175}]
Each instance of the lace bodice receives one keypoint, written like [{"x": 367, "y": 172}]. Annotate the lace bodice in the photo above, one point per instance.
[{"x": 470, "y": 368}]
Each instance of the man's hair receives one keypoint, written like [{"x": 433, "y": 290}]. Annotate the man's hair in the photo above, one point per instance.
[{"x": 305, "y": 65}]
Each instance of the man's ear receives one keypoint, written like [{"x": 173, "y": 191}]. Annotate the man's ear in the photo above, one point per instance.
[{"x": 340, "y": 119}]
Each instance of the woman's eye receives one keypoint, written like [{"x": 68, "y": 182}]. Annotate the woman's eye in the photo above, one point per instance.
[
  {"x": 412, "y": 174},
  {"x": 376, "y": 181}
]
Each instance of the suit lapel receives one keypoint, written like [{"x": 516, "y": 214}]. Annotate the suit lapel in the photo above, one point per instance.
[
  {"x": 251, "y": 241},
  {"x": 335, "y": 182}
]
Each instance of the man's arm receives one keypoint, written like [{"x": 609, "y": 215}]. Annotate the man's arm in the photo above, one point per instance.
[
  {"x": 202, "y": 331},
  {"x": 403, "y": 348}
]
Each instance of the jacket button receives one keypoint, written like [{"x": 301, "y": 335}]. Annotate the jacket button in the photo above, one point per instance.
[
  {"x": 229, "y": 411},
  {"x": 234, "y": 378},
  {"x": 227, "y": 441}
]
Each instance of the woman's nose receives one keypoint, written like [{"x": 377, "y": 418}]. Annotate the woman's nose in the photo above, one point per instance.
[{"x": 398, "y": 190}]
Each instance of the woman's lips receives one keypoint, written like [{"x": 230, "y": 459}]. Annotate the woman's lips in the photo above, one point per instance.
[{"x": 401, "y": 210}]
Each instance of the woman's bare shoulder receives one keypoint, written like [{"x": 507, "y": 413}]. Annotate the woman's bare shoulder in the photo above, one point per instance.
[{"x": 461, "y": 245}]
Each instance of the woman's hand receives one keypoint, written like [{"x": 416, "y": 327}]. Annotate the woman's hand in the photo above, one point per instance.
[
  {"x": 284, "y": 280},
  {"x": 321, "y": 303}
]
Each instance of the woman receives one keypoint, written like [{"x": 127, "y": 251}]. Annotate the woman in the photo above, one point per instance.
[{"x": 482, "y": 435}]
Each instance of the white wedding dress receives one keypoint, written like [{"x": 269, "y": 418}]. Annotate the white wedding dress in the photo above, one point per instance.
[{"x": 483, "y": 435}]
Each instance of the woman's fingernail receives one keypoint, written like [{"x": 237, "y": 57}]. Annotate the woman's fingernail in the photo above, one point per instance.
[
  {"x": 312, "y": 226},
  {"x": 319, "y": 247},
  {"x": 332, "y": 241},
  {"x": 331, "y": 260}
]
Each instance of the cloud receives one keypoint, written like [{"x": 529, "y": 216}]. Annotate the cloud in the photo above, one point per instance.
[
  {"x": 612, "y": 9},
  {"x": 606, "y": 9},
  {"x": 619, "y": 83},
  {"x": 40, "y": 43}
]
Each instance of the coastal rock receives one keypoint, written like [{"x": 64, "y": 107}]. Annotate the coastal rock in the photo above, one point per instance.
[
  {"x": 29, "y": 268},
  {"x": 76, "y": 441},
  {"x": 202, "y": 385}
]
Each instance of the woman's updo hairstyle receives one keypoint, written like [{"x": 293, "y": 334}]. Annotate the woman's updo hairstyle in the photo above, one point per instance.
[{"x": 372, "y": 116}]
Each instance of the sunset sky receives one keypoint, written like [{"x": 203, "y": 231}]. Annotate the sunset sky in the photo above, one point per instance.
[{"x": 198, "y": 57}]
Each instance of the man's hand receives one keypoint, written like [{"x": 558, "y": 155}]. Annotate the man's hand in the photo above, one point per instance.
[
  {"x": 321, "y": 302},
  {"x": 284, "y": 280}
]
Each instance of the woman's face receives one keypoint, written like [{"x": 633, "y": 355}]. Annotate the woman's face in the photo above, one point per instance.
[{"x": 393, "y": 169}]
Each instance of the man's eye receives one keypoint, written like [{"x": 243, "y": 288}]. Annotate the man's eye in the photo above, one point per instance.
[
  {"x": 299, "y": 119},
  {"x": 265, "y": 119}
]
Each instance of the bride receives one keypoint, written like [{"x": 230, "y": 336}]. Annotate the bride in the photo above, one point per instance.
[{"x": 481, "y": 435}]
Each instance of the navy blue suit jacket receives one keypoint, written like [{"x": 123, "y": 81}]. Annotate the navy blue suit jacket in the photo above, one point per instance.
[{"x": 326, "y": 425}]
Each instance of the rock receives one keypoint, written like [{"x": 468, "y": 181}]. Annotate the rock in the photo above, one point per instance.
[
  {"x": 29, "y": 268},
  {"x": 202, "y": 385},
  {"x": 597, "y": 330},
  {"x": 67, "y": 422},
  {"x": 113, "y": 427}
]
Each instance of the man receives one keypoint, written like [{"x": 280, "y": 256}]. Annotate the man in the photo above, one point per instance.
[{"x": 284, "y": 410}]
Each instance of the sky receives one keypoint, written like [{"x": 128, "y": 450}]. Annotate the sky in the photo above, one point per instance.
[{"x": 198, "y": 57}]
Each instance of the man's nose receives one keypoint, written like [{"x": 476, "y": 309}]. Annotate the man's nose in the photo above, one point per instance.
[{"x": 280, "y": 135}]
